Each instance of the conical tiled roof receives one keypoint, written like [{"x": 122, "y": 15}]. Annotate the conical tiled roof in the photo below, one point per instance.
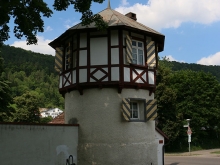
[{"x": 114, "y": 18}]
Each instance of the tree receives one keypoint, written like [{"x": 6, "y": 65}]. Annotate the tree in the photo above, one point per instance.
[
  {"x": 27, "y": 108},
  {"x": 28, "y": 15},
  {"x": 46, "y": 119},
  {"x": 187, "y": 94},
  {"x": 5, "y": 97},
  {"x": 166, "y": 99}
]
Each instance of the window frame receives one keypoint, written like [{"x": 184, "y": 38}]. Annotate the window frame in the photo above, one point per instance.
[
  {"x": 138, "y": 101},
  {"x": 67, "y": 57},
  {"x": 132, "y": 110},
  {"x": 137, "y": 52}
]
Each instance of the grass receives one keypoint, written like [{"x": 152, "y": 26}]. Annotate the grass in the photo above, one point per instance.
[{"x": 215, "y": 152}]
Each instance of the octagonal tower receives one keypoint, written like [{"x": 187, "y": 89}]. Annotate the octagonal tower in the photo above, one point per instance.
[{"x": 108, "y": 80}]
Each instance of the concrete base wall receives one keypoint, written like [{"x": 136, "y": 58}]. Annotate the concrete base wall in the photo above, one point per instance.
[
  {"x": 105, "y": 138},
  {"x": 37, "y": 144}
]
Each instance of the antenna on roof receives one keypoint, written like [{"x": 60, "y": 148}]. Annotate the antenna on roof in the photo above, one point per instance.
[{"x": 109, "y": 5}]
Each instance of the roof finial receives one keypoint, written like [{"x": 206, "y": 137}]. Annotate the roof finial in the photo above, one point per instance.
[{"x": 109, "y": 5}]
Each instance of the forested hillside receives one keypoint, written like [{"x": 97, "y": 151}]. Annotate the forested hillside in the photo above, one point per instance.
[
  {"x": 17, "y": 59},
  {"x": 30, "y": 74},
  {"x": 213, "y": 69}
]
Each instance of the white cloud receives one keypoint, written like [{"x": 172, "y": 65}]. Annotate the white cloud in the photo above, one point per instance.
[
  {"x": 210, "y": 60},
  {"x": 41, "y": 47},
  {"x": 48, "y": 28},
  {"x": 160, "y": 14},
  {"x": 124, "y": 3},
  {"x": 171, "y": 58}
]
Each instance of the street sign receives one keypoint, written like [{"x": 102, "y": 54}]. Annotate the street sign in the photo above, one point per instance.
[
  {"x": 186, "y": 125},
  {"x": 189, "y": 132},
  {"x": 189, "y": 138}
]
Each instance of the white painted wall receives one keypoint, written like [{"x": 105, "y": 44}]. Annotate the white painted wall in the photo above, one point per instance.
[
  {"x": 114, "y": 37},
  {"x": 158, "y": 138},
  {"x": 82, "y": 57},
  {"x": 82, "y": 75},
  {"x": 99, "y": 51},
  {"x": 105, "y": 138},
  {"x": 114, "y": 56},
  {"x": 83, "y": 40},
  {"x": 115, "y": 74},
  {"x": 151, "y": 77},
  {"x": 37, "y": 144}
]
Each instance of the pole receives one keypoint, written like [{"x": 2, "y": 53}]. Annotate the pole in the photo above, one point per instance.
[{"x": 189, "y": 149}]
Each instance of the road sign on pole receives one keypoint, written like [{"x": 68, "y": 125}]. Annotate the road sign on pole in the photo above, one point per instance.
[
  {"x": 189, "y": 138},
  {"x": 189, "y": 132}
]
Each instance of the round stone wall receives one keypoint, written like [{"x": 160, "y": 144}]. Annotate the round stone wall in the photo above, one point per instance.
[{"x": 105, "y": 138}]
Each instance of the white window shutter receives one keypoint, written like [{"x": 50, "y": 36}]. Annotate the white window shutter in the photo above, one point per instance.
[
  {"x": 126, "y": 110},
  {"x": 129, "y": 49},
  {"x": 151, "y": 109},
  {"x": 59, "y": 59}
]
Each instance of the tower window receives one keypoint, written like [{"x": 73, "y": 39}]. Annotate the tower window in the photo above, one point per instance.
[
  {"x": 134, "y": 110},
  {"x": 137, "y": 52}
]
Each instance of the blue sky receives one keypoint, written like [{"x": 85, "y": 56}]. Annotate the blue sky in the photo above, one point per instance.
[{"x": 191, "y": 27}]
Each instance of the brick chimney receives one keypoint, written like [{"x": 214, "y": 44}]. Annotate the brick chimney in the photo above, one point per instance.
[{"x": 131, "y": 15}]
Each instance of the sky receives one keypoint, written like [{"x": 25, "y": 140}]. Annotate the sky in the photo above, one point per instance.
[{"x": 191, "y": 27}]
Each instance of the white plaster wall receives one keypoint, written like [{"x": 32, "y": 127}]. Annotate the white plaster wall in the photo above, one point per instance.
[
  {"x": 74, "y": 76},
  {"x": 82, "y": 57},
  {"x": 99, "y": 51},
  {"x": 61, "y": 81},
  {"x": 127, "y": 74},
  {"x": 82, "y": 75},
  {"x": 69, "y": 78},
  {"x": 114, "y": 56},
  {"x": 151, "y": 77},
  {"x": 115, "y": 74},
  {"x": 37, "y": 144},
  {"x": 105, "y": 138},
  {"x": 99, "y": 74},
  {"x": 114, "y": 37},
  {"x": 139, "y": 72},
  {"x": 125, "y": 33},
  {"x": 83, "y": 40}
]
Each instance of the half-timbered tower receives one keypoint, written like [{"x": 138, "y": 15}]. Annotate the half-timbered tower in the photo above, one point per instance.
[{"x": 108, "y": 79}]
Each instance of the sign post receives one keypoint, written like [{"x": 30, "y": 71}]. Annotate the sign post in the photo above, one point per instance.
[{"x": 189, "y": 132}]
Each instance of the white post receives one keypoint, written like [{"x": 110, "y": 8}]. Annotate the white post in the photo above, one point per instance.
[
  {"x": 189, "y": 134},
  {"x": 189, "y": 149}
]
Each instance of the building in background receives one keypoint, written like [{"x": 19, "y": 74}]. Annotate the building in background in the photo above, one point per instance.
[
  {"x": 53, "y": 112},
  {"x": 108, "y": 80}
]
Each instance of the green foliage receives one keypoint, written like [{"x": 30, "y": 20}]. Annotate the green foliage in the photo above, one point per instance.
[
  {"x": 28, "y": 16},
  {"x": 213, "y": 69},
  {"x": 29, "y": 71},
  {"x": 188, "y": 94},
  {"x": 46, "y": 119},
  {"x": 5, "y": 97},
  {"x": 27, "y": 108}
]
